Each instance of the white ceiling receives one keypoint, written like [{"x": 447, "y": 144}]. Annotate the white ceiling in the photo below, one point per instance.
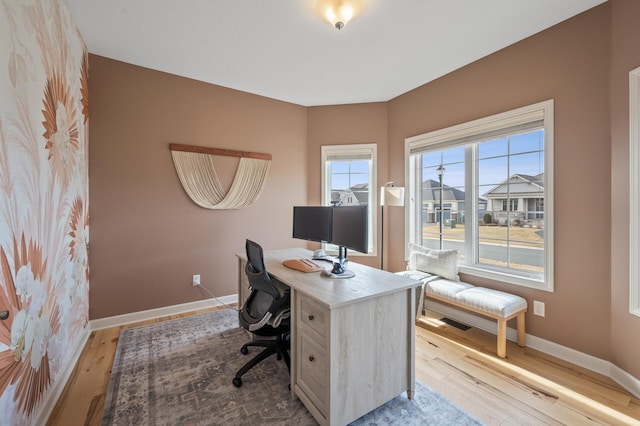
[{"x": 282, "y": 49}]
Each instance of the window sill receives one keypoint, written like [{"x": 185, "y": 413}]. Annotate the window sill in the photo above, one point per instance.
[{"x": 506, "y": 278}]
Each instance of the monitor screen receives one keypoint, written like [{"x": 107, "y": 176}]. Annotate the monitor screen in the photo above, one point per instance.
[
  {"x": 350, "y": 228},
  {"x": 312, "y": 223}
]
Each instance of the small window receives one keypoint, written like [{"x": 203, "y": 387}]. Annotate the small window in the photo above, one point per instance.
[{"x": 348, "y": 178}]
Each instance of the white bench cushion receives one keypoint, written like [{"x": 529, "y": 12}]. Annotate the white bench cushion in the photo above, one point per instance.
[
  {"x": 446, "y": 288},
  {"x": 494, "y": 301},
  {"x": 497, "y": 303}
]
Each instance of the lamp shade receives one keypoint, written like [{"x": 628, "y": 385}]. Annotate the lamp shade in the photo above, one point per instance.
[{"x": 392, "y": 196}]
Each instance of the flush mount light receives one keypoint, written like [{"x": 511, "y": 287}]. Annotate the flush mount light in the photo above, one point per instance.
[{"x": 338, "y": 12}]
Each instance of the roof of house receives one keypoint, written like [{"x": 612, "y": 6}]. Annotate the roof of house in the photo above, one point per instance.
[
  {"x": 518, "y": 185},
  {"x": 431, "y": 191},
  {"x": 361, "y": 192}
]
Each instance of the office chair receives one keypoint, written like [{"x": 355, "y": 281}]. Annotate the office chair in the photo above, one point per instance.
[{"x": 265, "y": 313}]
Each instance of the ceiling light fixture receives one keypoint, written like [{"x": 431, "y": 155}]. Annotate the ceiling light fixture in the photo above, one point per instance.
[{"x": 338, "y": 12}]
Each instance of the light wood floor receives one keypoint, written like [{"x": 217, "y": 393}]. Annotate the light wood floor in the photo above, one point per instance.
[{"x": 527, "y": 388}]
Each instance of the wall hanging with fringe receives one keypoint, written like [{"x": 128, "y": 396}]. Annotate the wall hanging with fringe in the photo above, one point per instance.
[{"x": 194, "y": 165}]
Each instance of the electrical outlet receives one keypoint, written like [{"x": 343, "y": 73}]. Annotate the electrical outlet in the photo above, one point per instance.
[
  {"x": 538, "y": 308},
  {"x": 196, "y": 280}
]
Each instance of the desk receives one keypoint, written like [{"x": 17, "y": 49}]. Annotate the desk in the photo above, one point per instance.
[{"x": 352, "y": 340}]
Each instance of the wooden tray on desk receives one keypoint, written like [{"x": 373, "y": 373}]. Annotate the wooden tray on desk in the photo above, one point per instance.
[{"x": 303, "y": 265}]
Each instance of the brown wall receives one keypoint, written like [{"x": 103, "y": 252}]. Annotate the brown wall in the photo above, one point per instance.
[
  {"x": 147, "y": 237},
  {"x": 568, "y": 63},
  {"x": 625, "y": 57},
  {"x": 343, "y": 125}
]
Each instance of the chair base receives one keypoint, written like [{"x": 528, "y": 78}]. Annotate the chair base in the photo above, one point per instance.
[{"x": 279, "y": 347}]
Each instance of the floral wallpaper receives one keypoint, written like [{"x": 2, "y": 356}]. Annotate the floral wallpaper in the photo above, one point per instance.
[{"x": 44, "y": 220}]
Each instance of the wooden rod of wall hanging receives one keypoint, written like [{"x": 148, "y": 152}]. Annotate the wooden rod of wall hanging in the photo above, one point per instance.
[{"x": 219, "y": 151}]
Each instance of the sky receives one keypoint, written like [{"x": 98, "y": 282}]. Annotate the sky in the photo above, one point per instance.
[{"x": 498, "y": 159}]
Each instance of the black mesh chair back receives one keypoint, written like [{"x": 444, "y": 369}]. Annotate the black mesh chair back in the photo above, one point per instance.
[{"x": 265, "y": 312}]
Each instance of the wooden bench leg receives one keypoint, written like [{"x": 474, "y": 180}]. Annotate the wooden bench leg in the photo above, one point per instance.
[
  {"x": 521, "y": 333},
  {"x": 502, "y": 338}
]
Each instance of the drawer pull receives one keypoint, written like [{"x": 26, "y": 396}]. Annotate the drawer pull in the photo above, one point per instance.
[
  {"x": 312, "y": 358},
  {"x": 310, "y": 317}
]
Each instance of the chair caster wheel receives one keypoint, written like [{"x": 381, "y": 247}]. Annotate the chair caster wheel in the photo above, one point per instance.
[
  {"x": 244, "y": 350},
  {"x": 237, "y": 382}
]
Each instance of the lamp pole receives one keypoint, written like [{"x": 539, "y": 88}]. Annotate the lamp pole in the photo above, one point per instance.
[
  {"x": 390, "y": 195},
  {"x": 440, "y": 171}
]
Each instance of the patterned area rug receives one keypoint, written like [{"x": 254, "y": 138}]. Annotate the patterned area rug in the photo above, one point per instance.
[{"x": 179, "y": 372}]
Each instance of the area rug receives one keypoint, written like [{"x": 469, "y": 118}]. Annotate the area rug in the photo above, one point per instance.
[{"x": 179, "y": 372}]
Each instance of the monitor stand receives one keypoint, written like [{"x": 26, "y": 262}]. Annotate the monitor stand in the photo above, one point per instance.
[
  {"x": 344, "y": 274},
  {"x": 342, "y": 256},
  {"x": 339, "y": 270}
]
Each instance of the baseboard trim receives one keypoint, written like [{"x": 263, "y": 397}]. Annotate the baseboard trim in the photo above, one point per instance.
[
  {"x": 606, "y": 368},
  {"x": 625, "y": 380},
  {"x": 51, "y": 399},
  {"x": 118, "y": 320}
]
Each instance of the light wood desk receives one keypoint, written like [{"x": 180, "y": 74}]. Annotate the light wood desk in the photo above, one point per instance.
[{"x": 352, "y": 340}]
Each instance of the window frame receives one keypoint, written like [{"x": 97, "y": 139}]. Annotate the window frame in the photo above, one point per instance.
[
  {"x": 468, "y": 133},
  {"x": 352, "y": 150},
  {"x": 634, "y": 188}
]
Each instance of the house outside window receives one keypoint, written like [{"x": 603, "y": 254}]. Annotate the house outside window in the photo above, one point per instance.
[
  {"x": 348, "y": 179},
  {"x": 484, "y": 188}
]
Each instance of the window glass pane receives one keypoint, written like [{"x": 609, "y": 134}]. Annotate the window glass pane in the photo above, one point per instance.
[
  {"x": 493, "y": 171},
  {"x": 339, "y": 167},
  {"x": 442, "y": 225},
  {"x": 339, "y": 182},
  {"x": 493, "y": 148},
  {"x": 531, "y": 164},
  {"x": 512, "y": 246},
  {"x": 358, "y": 179},
  {"x": 492, "y": 254},
  {"x": 431, "y": 158},
  {"x": 527, "y": 142},
  {"x": 509, "y": 233},
  {"x": 526, "y": 250},
  {"x": 453, "y": 155},
  {"x": 359, "y": 167},
  {"x": 349, "y": 186},
  {"x": 453, "y": 175}
]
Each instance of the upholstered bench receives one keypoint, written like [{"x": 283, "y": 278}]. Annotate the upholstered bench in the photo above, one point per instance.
[{"x": 491, "y": 303}]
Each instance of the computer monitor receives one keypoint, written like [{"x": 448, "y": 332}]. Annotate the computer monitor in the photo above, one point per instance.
[
  {"x": 344, "y": 226},
  {"x": 350, "y": 228},
  {"x": 312, "y": 223}
]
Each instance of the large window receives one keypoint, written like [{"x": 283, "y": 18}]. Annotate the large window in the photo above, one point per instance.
[
  {"x": 485, "y": 188},
  {"x": 348, "y": 178}
]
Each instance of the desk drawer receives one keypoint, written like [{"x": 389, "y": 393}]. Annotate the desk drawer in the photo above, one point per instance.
[
  {"x": 314, "y": 315},
  {"x": 313, "y": 375}
]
